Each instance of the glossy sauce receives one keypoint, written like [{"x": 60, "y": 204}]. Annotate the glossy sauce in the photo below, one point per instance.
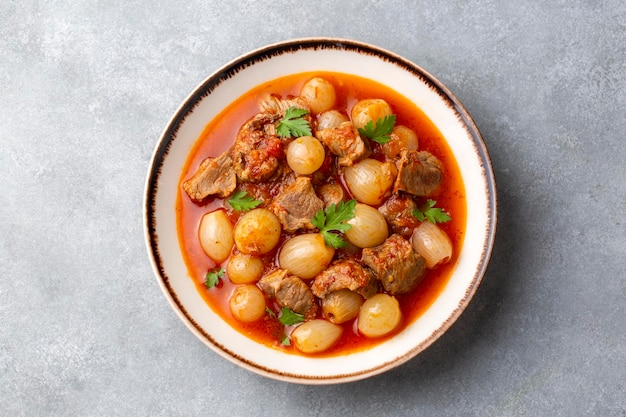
[{"x": 218, "y": 136}]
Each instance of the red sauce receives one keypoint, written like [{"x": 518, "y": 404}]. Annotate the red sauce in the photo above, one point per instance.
[{"x": 218, "y": 136}]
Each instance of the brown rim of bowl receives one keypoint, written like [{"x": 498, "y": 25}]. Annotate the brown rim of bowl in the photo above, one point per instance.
[{"x": 231, "y": 69}]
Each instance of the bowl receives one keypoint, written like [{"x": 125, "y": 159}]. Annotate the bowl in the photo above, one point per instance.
[{"x": 291, "y": 57}]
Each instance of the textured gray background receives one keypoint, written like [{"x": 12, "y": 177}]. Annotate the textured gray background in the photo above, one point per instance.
[{"x": 85, "y": 90}]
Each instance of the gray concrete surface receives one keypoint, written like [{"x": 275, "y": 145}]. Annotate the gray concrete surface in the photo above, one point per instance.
[{"x": 86, "y": 88}]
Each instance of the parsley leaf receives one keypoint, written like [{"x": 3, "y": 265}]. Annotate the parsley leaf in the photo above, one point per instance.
[
  {"x": 289, "y": 318},
  {"x": 334, "y": 218},
  {"x": 293, "y": 124},
  {"x": 333, "y": 240},
  {"x": 432, "y": 214},
  {"x": 380, "y": 132},
  {"x": 212, "y": 278},
  {"x": 241, "y": 201}
]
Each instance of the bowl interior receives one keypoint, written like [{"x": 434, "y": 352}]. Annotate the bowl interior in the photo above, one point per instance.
[{"x": 235, "y": 79}]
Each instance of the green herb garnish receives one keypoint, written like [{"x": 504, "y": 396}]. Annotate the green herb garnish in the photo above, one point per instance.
[
  {"x": 289, "y": 318},
  {"x": 432, "y": 214},
  {"x": 212, "y": 278},
  {"x": 241, "y": 201},
  {"x": 334, "y": 218},
  {"x": 293, "y": 124},
  {"x": 380, "y": 132}
]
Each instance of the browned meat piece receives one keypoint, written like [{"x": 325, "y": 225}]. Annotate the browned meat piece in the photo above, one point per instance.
[
  {"x": 267, "y": 191},
  {"x": 290, "y": 291},
  {"x": 296, "y": 205},
  {"x": 398, "y": 211},
  {"x": 258, "y": 152},
  {"x": 419, "y": 173},
  {"x": 342, "y": 274},
  {"x": 345, "y": 142},
  {"x": 276, "y": 105},
  {"x": 331, "y": 193},
  {"x": 215, "y": 176},
  {"x": 396, "y": 264}
]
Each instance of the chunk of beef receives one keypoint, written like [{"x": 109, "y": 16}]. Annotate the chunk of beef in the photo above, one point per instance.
[
  {"x": 258, "y": 152},
  {"x": 268, "y": 190},
  {"x": 396, "y": 264},
  {"x": 345, "y": 273},
  {"x": 345, "y": 142},
  {"x": 290, "y": 291},
  {"x": 331, "y": 193},
  {"x": 398, "y": 211},
  {"x": 296, "y": 204},
  {"x": 276, "y": 105},
  {"x": 215, "y": 176},
  {"x": 419, "y": 173}
]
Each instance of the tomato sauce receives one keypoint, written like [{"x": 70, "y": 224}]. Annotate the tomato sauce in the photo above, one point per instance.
[{"x": 218, "y": 136}]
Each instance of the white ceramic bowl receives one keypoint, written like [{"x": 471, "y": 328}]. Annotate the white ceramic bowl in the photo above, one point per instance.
[{"x": 290, "y": 57}]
